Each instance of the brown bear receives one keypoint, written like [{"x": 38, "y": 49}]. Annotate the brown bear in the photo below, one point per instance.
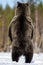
[{"x": 21, "y": 33}]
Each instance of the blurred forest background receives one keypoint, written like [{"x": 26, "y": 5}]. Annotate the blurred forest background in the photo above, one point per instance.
[{"x": 35, "y": 12}]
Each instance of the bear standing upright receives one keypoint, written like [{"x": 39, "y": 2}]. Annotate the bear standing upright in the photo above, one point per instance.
[{"x": 21, "y": 33}]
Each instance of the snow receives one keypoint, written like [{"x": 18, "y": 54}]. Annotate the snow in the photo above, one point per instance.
[{"x": 5, "y": 59}]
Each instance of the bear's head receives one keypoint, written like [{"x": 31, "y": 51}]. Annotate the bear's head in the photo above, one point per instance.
[{"x": 22, "y": 8}]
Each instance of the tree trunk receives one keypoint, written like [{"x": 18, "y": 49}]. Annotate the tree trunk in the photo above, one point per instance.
[
  {"x": 3, "y": 32},
  {"x": 37, "y": 35}
]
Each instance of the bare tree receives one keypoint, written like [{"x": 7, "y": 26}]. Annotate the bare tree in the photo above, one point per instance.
[
  {"x": 37, "y": 35},
  {"x": 3, "y": 31}
]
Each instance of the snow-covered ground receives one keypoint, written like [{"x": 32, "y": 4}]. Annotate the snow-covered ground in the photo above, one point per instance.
[{"x": 5, "y": 59}]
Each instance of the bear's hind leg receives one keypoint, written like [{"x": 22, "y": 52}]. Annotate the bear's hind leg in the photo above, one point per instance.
[
  {"x": 28, "y": 57},
  {"x": 15, "y": 54},
  {"x": 15, "y": 57}
]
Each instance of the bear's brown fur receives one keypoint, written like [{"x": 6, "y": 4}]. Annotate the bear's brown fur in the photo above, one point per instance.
[{"x": 21, "y": 33}]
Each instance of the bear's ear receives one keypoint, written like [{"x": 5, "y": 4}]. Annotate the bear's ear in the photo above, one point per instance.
[
  {"x": 27, "y": 4},
  {"x": 18, "y": 4}
]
